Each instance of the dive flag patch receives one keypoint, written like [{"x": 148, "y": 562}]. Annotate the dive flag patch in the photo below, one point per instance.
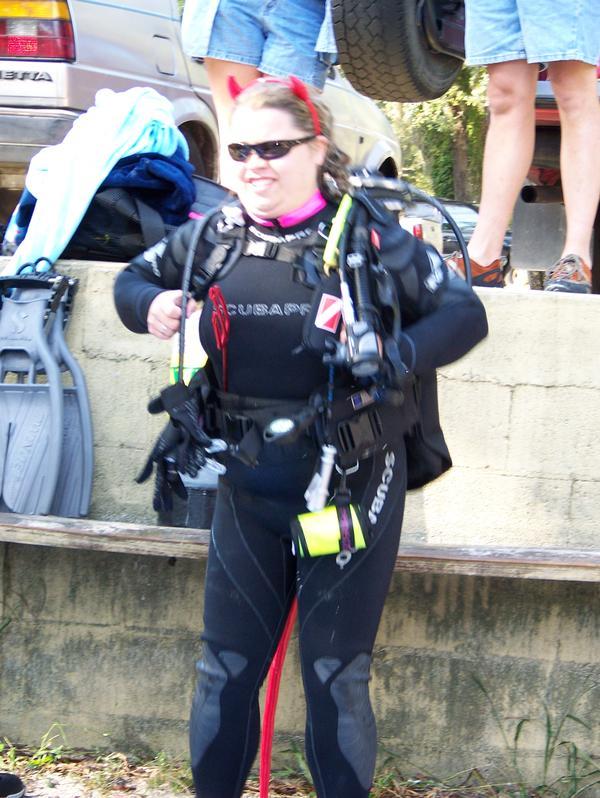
[{"x": 329, "y": 313}]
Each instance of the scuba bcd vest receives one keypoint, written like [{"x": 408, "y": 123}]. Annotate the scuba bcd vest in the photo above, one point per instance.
[{"x": 357, "y": 420}]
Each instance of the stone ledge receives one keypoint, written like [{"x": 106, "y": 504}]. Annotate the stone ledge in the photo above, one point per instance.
[{"x": 574, "y": 565}]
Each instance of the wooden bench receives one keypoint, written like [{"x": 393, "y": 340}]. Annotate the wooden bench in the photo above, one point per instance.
[{"x": 575, "y": 565}]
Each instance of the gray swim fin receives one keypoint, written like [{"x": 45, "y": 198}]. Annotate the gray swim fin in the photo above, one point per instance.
[
  {"x": 46, "y": 445},
  {"x": 74, "y": 484},
  {"x": 31, "y": 411}
]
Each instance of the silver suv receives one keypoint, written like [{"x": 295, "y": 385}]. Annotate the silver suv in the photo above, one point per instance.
[{"x": 56, "y": 54}]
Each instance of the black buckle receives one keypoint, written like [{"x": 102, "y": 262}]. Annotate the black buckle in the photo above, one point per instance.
[{"x": 360, "y": 433}]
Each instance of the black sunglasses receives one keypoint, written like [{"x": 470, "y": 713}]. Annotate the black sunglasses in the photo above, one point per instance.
[{"x": 267, "y": 150}]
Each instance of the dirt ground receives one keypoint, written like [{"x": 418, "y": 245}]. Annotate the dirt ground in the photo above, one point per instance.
[
  {"x": 116, "y": 777},
  {"x": 91, "y": 782},
  {"x": 72, "y": 785},
  {"x": 58, "y": 785}
]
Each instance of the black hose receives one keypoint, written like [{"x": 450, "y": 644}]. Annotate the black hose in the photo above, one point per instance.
[
  {"x": 379, "y": 187},
  {"x": 185, "y": 287},
  {"x": 365, "y": 309},
  {"x": 462, "y": 244}
]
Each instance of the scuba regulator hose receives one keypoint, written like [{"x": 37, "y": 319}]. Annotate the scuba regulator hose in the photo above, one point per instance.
[
  {"x": 274, "y": 680},
  {"x": 185, "y": 287}
]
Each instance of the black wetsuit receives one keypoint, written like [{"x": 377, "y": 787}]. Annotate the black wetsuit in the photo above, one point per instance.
[{"x": 252, "y": 574}]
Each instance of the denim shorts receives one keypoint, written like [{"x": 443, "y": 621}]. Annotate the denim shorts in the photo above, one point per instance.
[
  {"x": 278, "y": 37},
  {"x": 537, "y": 31}
]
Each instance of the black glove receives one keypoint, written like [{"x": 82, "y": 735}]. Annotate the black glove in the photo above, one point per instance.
[
  {"x": 181, "y": 448},
  {"x": 166, "y": 483}
]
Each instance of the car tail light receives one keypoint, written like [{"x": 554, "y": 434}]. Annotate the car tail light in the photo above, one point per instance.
[
  {"x": 417, "y": 231},
  {"x": 36, "y": 30}
]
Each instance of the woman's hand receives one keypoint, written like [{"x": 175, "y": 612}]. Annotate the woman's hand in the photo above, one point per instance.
[{"x": 164, "y": 314}]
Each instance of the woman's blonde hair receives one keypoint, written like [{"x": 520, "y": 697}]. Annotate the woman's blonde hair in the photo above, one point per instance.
[{"x": 279, "y": 94}]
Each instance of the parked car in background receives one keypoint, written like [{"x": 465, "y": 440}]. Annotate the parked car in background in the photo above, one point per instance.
[
  {"x": 423, "y": 221},
  {"x": 55, "y": 56},
  {"x": 465, "y": 215}
]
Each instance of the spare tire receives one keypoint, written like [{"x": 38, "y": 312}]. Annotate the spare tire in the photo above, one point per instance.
[{"x": 384, "y": 52}]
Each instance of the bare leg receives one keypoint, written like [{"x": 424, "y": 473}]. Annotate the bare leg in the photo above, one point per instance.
[
  {"x": 508, "y": 153},
  {"x": 218, "y": 72},
  {"x": 574, "y": 84}
]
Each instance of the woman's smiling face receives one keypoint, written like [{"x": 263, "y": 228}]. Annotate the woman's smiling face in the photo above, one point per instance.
[{"x": 268, "y": 189}]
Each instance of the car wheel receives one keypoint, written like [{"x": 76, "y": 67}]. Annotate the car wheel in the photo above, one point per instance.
[
  {"x": 201, "y": 156},
  {"x": 195, "y": 157},
  {"x": 384, "y": 53}
]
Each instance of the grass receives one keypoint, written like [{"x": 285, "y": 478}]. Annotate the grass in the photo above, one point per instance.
[
  {"x": 581, "y": 770},
  {"x": 100, "y": 774}
]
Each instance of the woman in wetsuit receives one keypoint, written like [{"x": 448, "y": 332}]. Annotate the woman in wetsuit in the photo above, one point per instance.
[{"x": 288, "y": 174}]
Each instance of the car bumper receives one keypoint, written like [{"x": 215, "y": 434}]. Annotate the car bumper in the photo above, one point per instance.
[{"x": 24, "y": 132}]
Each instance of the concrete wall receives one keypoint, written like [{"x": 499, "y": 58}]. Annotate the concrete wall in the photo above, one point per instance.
[
  {"x": 105, "y": 643},
  {"x": 522, "y": 417}
]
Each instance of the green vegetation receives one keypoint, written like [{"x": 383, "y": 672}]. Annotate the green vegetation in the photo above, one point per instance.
[
  {"x": 442, "y": 140},
  {"x": 581, "y": 771},
  {"x": 96, "y": 774},
  {"x": 51, "y": 749}
]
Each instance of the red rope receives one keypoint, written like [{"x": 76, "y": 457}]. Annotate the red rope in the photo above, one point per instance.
[{"x": 273, "y": 683}]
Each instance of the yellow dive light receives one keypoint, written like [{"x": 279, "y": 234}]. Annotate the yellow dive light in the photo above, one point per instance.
[{"x": 332, "y": 530}]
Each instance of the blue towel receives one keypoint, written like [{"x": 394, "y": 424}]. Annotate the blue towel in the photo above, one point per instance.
[
  {"x": 163, "y": 183},
  {"x": 65, "y": 177}
]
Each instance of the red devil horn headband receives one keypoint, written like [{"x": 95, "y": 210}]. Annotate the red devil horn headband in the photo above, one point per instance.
[{"x": 293, "y": 84}]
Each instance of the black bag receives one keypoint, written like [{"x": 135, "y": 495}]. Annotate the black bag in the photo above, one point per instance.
[
  {"x": 427, "y": 455},
  {"x": 118, "y": 225}
]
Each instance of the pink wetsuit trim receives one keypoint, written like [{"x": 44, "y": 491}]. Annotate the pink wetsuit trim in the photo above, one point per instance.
[{"x": 312, "y": 205}]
